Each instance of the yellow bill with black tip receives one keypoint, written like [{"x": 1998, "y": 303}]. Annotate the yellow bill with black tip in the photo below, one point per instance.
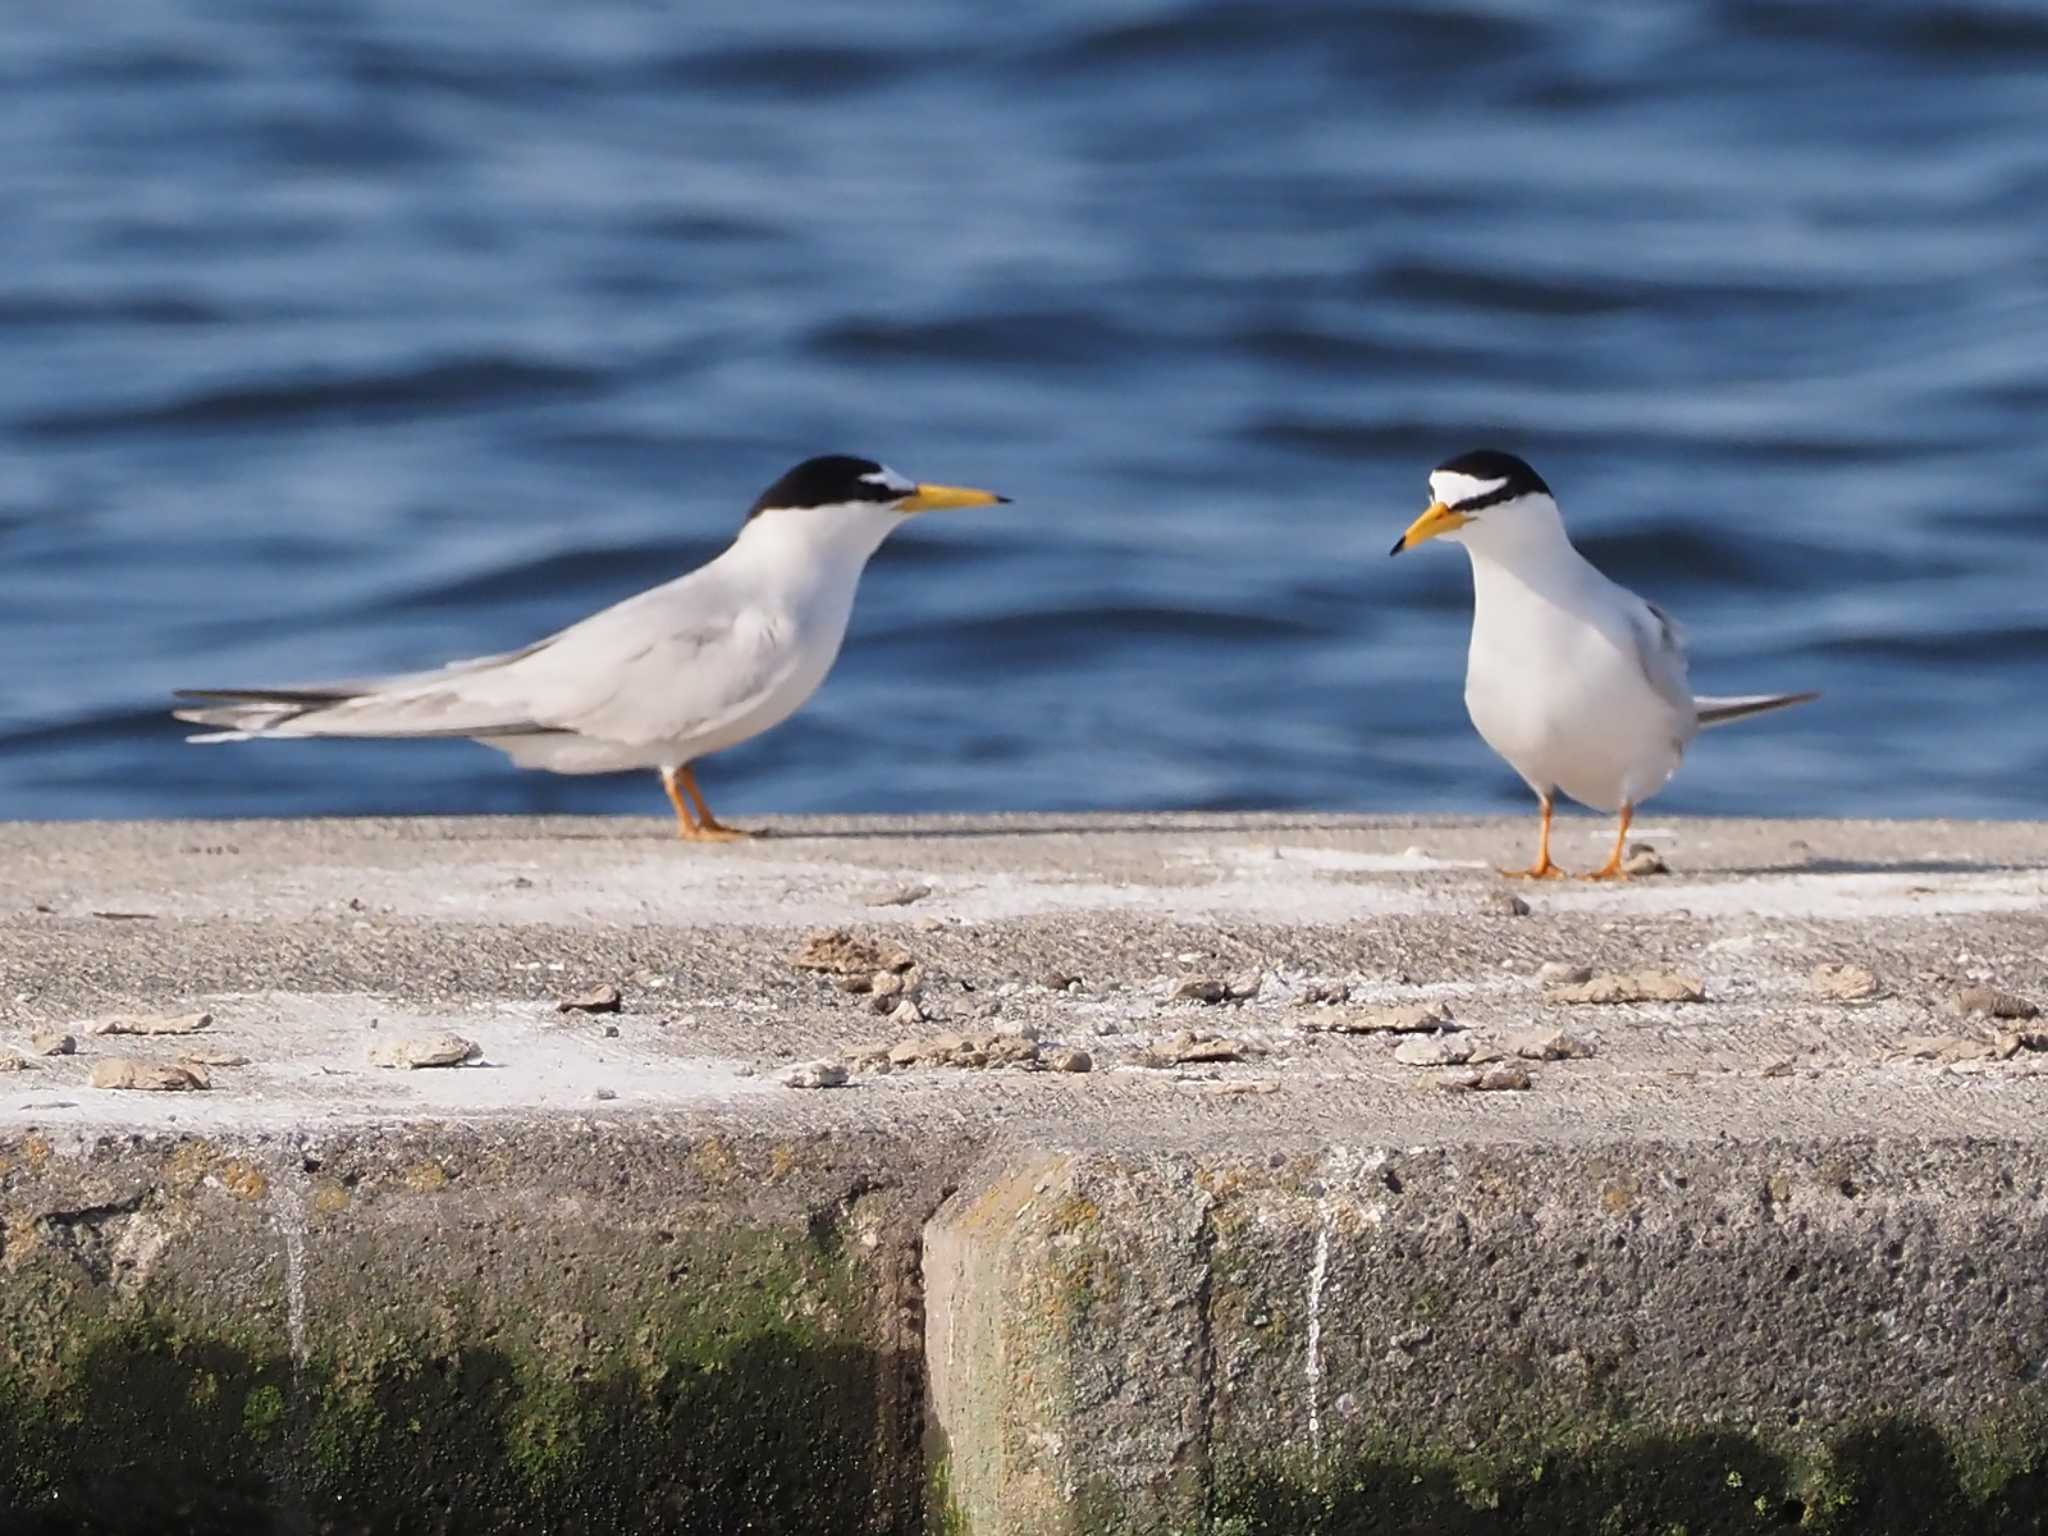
[
  {"x": 1438, "y": 519},
  {"x": 936, "y": 498}
]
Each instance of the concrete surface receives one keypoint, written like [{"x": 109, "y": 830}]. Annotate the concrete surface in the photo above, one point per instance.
[{"x": 1304, "y": 1289}]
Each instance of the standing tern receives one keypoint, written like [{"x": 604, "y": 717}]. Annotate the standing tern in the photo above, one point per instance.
[
  {"x": 1576, "y": 681},
  {"x": 695, "y": 665}
]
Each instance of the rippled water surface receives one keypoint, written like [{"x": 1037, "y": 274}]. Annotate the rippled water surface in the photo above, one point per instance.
[{"x": 359, "y": 334}]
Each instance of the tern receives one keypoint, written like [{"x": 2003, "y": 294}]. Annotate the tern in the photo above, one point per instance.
[
  {"x": 1575, "y": 680},
  {"x": 658, "y": 681}
]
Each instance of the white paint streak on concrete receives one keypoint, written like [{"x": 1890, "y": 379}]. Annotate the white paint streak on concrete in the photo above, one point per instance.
[
  {"x": 1317, "y": 1275},
  {"x": 288, "y": 1213}
]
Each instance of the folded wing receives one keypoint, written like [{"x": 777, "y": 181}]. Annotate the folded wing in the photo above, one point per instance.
[{"x": 668, "y": 665}]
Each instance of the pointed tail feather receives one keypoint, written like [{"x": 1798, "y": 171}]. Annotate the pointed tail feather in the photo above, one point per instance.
[
  {"x": 243, "y": 714},
  {"x": 1713, "y": 711}
]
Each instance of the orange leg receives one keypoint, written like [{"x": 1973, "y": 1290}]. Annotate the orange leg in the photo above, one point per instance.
[
  {"x": 1542, "y": 869},
  {"x": 709, "y": 828},
  {"x": 1612, "y": 869},
  {"x": 685, "y": 825}
]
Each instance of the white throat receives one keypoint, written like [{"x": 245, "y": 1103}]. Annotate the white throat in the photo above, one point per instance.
[
  {"x": 805, "y": 547},
  {"x": 1526, "y": 531}
]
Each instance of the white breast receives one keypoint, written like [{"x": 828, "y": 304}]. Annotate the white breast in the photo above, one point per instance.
[{"x": 1555, "y": 684}]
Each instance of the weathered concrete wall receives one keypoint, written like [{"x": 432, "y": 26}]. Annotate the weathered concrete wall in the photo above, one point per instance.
[
  {"x": 459, "y": 1329},
  {"x": 1644, "y": 1338}
]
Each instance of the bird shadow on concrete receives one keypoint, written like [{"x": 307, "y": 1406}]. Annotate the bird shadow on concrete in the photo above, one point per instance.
[{"x": 1890, "y": 867}]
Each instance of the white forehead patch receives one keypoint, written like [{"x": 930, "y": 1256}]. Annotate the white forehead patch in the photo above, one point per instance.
[
  {"x": 889, "y": 480},
  {"x": 1450, "y": 487}
]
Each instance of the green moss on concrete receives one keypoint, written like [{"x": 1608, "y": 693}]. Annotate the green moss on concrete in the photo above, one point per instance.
[
  {"x": 943, "y": 1515},
  {"x": 739, "y": 1394},
  {"x": 1895, "y": 1477},
  {"x": 263, "y": 1411}
]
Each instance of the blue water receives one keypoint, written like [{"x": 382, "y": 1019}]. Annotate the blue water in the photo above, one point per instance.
[{"x": 359, "y": 334}]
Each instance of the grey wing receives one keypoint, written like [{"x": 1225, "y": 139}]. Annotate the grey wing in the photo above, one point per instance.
[
  {"x": 657, "y": 667},
  {"x": 1660, "y": 649},
  {"x": 676, "y": 663}
]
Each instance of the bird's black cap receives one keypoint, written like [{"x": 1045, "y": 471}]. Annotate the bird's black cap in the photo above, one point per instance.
[
  {"x": 832, "y": 480},
  {"x": 1492, "y": 464}
]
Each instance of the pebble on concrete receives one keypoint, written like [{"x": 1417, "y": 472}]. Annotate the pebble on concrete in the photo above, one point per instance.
[
  {"x": 1994, "y": 1003},
  {"x": 838, "y": 953},
  {"x": 1947, "y": 1048},
  {"x": 1643, "y": 859},
  {"x": 148, "y": 1024},
  {"x": 425, "y": 1051},
  {"x": 1844, "y": 984},
  {"x": 602, "y": 999},
  {"x": 900, "y": 896},
  {"x": 818, "y": 1074},
  {"x": 213, "y": 1056},
  {"x": 1548, "y": 1045},
  {"x": 1434, "y": 1051},
  {"x": 1194, "y": 1046},
  {"x": 148, "y": 1076},
  {"x": 1632, "y": 987},
  {"x": 52, "y": 1042},
  {"x": 982, "y": 1049},
  {"x": 1407, "y": 1019}
]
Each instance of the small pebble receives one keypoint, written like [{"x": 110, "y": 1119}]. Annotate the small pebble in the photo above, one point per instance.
[
  {"x": 1632, "y": 987},
  {"x": 1071, "y": 1060},
  {"x": 427, "y": 1051},
  {"x": 1557, "y": 973},
  {"x": 899, "y": 896},
  {"x": 839, "y": 953},
  {"x": 1199, "y": 989},
  {"x": 611, "y": 1031},
  {"x": 148, "y": 1076},
  {"x": 1503, "y": 1079},
  {"x": 1434, "y": 1051},
  {"x": 52, "y": 1042},
  {"x": 1187, "y": 1047},
  {"x": 1548, "y": 1045},
  {"x": 1995, "y": 1003},
  {"x": 819, "y": 1074},
  {"x": 1505, "y": 904},
  {"x": 604, "y": 999},
  {"x": 1843, "y": 983},
  {"x": 213, "y": 1056},
  {"x": 1642, "y": 859},
  {"x": 149, "y": 1024},
  {"x": 1244, "y": 985},
  {"x": 1948, "y": 1048},
  {"x": 603, "y": 1094},
  {"x": 1407, "y": 1019}
]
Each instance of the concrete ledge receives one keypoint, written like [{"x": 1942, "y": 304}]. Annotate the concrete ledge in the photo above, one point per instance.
[
  {"x": 1844, "y": 1337},
  {"x": 1749, "y": 1265}
]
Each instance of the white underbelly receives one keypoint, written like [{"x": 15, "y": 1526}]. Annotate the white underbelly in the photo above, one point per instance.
[{"x": 1583, "y": 719}]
